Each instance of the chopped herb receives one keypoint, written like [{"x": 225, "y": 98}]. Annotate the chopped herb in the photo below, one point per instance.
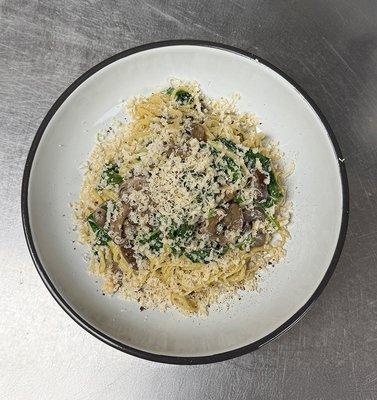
[{"x": 169, "y": 90}]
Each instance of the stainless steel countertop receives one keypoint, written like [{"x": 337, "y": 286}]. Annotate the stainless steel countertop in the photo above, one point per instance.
[{"x": 329, "y": 48}]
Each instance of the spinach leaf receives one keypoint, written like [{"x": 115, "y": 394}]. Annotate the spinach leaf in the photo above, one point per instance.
[
  {"x": 198, "y": 255},
  {"x": 213, "y": 151},
  {"x": 250, "y": 158},
  {"x": 156, "y": 245},
  {"x": 273, "y": 189},
  {"x": 211, "y": 213},
  {"x": 179, "y": 235},
  {"x": 249, "y": 240},
  {"x": 229, "y": 144},
  {"x": 270, "y": 218},
  {"x": 233, "y": 169},
  {"x": 183, "y": 97},
  {"x": 110, "y": 174},
  {"x": 238, "y": 199},
  {"x": 102, "y": 236},
  {"x": 274, "y": 193},
  {"x": 266, "y": 203},
  {"x": 223, "y": 250},
  {"x": 182, "y": 231},
  {"x": 201, "y": 254},
  {"x": 154, "y": 240}
]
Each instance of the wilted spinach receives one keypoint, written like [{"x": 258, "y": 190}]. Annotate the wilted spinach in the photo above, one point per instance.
[
  {"x": 110, "y": 175},
  {"x": 183, "y": 97},
  {"x": 102, "y": 236}
]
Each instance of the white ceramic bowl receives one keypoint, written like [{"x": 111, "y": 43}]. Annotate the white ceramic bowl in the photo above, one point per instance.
[{"x": 318, "y": 190}]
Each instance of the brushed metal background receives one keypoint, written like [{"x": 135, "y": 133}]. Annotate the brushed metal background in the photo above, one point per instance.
[{"x": 329, "y": 48}]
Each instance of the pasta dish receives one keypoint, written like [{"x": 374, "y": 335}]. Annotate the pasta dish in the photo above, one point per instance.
[{"x": 184, "y": 202}]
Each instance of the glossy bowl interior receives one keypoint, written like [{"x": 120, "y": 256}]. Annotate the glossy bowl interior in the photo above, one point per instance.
[{"x": 317, "y": 189}]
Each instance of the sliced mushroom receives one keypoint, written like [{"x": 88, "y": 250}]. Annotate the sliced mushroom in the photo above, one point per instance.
[
  {"x": 170, "y": 150},
  {"x": 234, "y": 218},
  {"x": 252, "y": 215},
  {"x": 180, "y": 153},
  {"x": 117, "y": 276},
  {"x": 229, "y": 195},
  {"x": 144, "y": 214},
  {"x": 123, "y": 190},
  {"x": 116, "y": 226},
  {"x": 233, "y": 221},
  {"x": 260, "y": 240},
  {"x": 177, "y": 151},
  {"x": 261, "y": 186},
  {"x": 210, "y": 226},
  {"x": 198, "y": 132},
  {"x": 135, "y": 183},
  {"x": 222, "y": 239},
  {"x": 129, "y": 255},
  {"x": 99, "y": 216}
]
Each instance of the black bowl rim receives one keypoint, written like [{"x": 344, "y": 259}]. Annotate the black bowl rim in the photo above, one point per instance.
[{"x": 121, "y": 346}]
